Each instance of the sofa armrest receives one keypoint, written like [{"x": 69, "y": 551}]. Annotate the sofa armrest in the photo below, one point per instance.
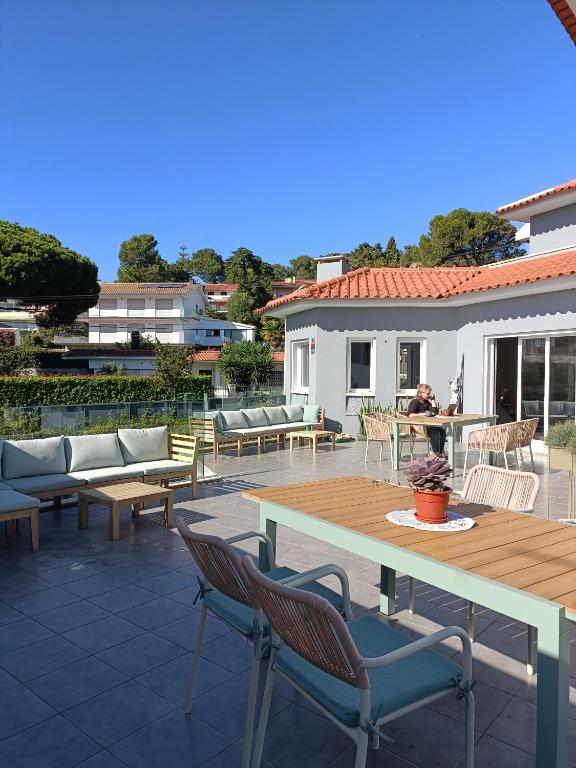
[{"x": 183, "y": 447}]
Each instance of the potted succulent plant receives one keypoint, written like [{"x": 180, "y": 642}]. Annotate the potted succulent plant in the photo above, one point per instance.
[{"x": 426, "y": 476}]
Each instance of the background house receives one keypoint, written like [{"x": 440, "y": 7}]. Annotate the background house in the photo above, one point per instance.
[
  {"x": 509, "y": 328},
  {"x": 218, "y": 294}
]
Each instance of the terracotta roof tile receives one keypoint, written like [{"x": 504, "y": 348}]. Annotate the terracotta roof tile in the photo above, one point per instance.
[
  {"x": 157, "y": 289},
  {"x": 566, "y": 16},
  {"x": 538, "y": 196},
  {"x": 219, "y": 287},
  {"x": 434, "y": 282},
  {"x": 211, "y": 355}
]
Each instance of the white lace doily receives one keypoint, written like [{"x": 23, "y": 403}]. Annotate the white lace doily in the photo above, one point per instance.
[{"x": 407, "y": 517}]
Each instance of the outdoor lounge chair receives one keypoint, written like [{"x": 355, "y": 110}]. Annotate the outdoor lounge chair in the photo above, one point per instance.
[
  {"x": 225, "y": 591},
  {"x": 361, "y": 674},
  {"x": 503, "y": 438}
]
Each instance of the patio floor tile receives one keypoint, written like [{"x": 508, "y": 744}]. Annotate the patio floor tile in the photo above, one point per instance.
[
  {"x": 491, "y": 752},
  {"x": 103, "y": 759},
  {"x": 20, "y": 633},
  {"x": 167, "y": 583},
  {"x": 171, "y": 679},
  {"x": 103, "y": 634},
  {"x": 117, "y": 713},
  {"x": 183, "y": 631},
  {"x": 156, "y": 613},
  {"x": 7, "y": 613},
  {"x": 55, "y": 743},
  {"x": 94, "y": 585},
  {"x": 123, "y": 598},
  {"x": 229, "y": 651},
  {"x": 44, "y": 600},
  {"x": 41, "y": 658},
  {"x": 141, "y": 654},
  {"x": 21, "y": 709}
]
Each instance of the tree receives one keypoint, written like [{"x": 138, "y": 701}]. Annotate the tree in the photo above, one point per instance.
[
  {"x": 179, "y": 272},
  {"x": 246, "y": 364},
  {"x": 272, "y": 332},
  {"x": 205, "y": 264},
  {"x": 173, "y": 362},
  {"x": 140, "y": 261},
  {"x": 281, "y": 271},
  {"x": 465, "y": 238},
  {"x": 251, "y": 274},
  {"x": 392, "y": 254},
  {"x": 45, "y": 275},
  {"x": 366, "y": 255},
  {"x": 241, "y": 308},
  {"x": 303, "y": 268}
]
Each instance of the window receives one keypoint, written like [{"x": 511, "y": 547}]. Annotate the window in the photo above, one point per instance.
[
  {"x": 164, "y": 332},
  {"x": 107, "y": 330},
  {"x": 213, "y": 332},
  {"x": 164, "y": 305},
  {"x": 136, "y": 306},
  {"x": 205, "y": 372},
  {"x": 410, "y": 372},
  {"x": 108, "y": 304},
  {"x": 361, "y": 366},
  {"x": 223, "y": 293},
  {"x": 136, "y": 327},
  {"x": 300, "y": 366},
  {"x": 210, "y": 293}
]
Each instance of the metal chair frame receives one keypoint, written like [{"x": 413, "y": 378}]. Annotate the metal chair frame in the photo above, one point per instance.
[
  {"x": 239, "y": 587},
  {"x": 353, "y": 666}
]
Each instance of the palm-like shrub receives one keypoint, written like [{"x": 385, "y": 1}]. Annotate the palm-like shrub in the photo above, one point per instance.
[{"x": 428, "y": 473}]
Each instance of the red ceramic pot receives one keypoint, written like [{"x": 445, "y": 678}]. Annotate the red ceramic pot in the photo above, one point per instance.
[{"x": 432, "y": 506}]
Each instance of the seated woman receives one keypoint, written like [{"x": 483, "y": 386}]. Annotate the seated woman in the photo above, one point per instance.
[{"x": 421, "y": 405}]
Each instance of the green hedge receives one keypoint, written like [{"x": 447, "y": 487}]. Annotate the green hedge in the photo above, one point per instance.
[{"x": 19, "y": 391}]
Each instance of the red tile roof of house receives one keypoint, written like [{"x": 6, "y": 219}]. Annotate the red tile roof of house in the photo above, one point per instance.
[
  {"x": 212, "y": 355},
  {"x": 433, "y": 282},
  {"x": 219, "y": 287},
  {"x": 566, "y": 15},
  {"x": 566, "y": 187},
  {"x": 160, "y": 289}
]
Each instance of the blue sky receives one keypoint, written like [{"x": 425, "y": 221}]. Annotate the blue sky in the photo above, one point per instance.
[{"x": 288, "y": 127}]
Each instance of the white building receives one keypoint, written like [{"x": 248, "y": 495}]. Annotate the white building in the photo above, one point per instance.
[
  {"x": 172, "y": 313},
  {"x": 218, "y": 294}
]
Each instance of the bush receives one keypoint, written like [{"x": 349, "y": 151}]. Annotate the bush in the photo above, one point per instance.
[
  {"x": 246, "y": 364},
  {"x": 7, "y": 338},
  {"x": 76, "y": 390},
  {"x": 15, "y": 359},
  {"x": 562, "y": 435}
]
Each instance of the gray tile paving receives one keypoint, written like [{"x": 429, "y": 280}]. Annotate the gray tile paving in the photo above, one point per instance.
[{"x": 96, "y": 639}]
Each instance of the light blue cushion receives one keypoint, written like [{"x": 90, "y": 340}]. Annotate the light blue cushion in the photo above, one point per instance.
[
  {"x": 275, "y": 415},
  {"x": 242, "y": 616},
  {"x": 42, "y": 483},
  {"x": 311, "y": 413},
  {"x": 233, "y": 420},
  {"x": 391, "y": 688},
  {"x": 106, "y": 474},
  {"x": 93, "y": 451},
  {"x": 293, "y": 412},
  {"x": 12, "y": 501},
  {"x": 149, "y": 444},
  {"x": 27, "y": 458},
  {"x": 255, "y": 417},
  {"x": 163, "y": 466}
]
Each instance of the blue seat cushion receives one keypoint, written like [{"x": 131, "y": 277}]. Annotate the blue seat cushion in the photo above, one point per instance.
[
  {"x": 242, "y": 616},
  {"x": 391, "y": 688}
]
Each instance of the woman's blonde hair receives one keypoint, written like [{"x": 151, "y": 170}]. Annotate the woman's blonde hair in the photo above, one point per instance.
[{"x": 422, "y": 388}]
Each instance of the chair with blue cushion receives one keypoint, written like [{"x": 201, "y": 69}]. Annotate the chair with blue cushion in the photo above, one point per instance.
[
  {"x": 225, "y": 592},
  {"x": 361, "y": 674}
]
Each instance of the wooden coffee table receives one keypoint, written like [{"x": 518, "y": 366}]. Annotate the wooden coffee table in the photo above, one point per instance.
[
  {"x": 312, "y": 436},
  {"x": 114, "y": 496}
]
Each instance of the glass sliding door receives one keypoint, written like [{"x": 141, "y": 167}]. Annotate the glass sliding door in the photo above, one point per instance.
[
  {"x": 533, "y": 372},
  {"x": 562, "y": 379}
]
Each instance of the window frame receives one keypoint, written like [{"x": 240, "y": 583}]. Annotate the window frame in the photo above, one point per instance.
[
  {"x": 158, "y": 308},
  {"x": 112, "y": 302},
  {"x": 407, "y": 391},
  {"x": 296, "y": 386},
  {"x": 372, "y": 389}
]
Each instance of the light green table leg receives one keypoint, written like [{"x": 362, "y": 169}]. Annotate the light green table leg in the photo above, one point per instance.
[
  {"x": 450, "y": 446},
  {"x": 269, "y": 527},
  {"x": 395, "y": 446},
  {"x": 387, "y": 590},
  {"x": 552, "y": 695}
]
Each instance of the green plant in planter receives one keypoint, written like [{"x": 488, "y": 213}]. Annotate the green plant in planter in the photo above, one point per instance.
[
  {"x": 373, "y": 408},
  {"x": 562, "y": 435}
]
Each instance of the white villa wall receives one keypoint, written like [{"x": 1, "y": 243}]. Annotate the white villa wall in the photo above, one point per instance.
[{"x": 553, "y": 230}]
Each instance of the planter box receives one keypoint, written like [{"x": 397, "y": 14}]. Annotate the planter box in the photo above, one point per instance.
[{"x": 561, "y": 458}]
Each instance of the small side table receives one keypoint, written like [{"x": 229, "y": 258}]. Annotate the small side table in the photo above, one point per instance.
[
  {"x": 114, "y": 496},
  {"x": 313, "y": 436}
]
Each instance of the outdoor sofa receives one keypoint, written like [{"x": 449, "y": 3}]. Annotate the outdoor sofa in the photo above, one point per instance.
[
  {"x": 52, "y": 467},
  {"x": 255, "y": 424}
]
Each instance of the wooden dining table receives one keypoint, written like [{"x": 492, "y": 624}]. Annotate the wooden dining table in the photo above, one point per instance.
[
  {"x": 450, "y": 424},
  {"x": 519, "y": 565}
]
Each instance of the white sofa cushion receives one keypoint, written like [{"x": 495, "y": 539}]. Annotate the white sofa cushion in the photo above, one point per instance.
[
  {"x": 232, "y": 420},
  {"x": 105, "y": 474},
  {"x": 27, "y": 458},
  {"x": 275, "y": 415},
  {"x": 149, "y": 444},
  {"x": 42, "y": 483},
  {"x": 164, "y": 465},
  {"x": 12, "y": 501},
  {"x": 293, "y": 412},
  {"x": 255, "y": 417},
  {"x": 93, "y": 451}
]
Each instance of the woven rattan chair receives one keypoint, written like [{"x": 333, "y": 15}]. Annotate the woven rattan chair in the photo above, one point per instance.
[
  {"x": 503, "y": 438},
  {"x": 225, "y": 591},
  {"x": 360, "y": 675},
  {"x": 378, "y": 429},
  {"x": 514, "y": 491}
]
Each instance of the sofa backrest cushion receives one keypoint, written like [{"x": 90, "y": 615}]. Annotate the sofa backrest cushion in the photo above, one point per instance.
[
  {"x": 276, "y": 415},
  {"x": 293, "y": 412},
  {"x": 149, "y": 444},
  {"x": 311, "y": 413},
  {"x": 233, "y": 420},
  {"x": 26, "y": 458},
  {"x": 255, "y": 417},
  {"x": 93, "y": 451}
]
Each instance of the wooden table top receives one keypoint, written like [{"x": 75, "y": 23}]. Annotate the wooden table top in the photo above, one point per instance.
[
  {"x": 126, "y": 492},
  {"x": 457, "y": 418},
  {"x": 519, "y": 550}
]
